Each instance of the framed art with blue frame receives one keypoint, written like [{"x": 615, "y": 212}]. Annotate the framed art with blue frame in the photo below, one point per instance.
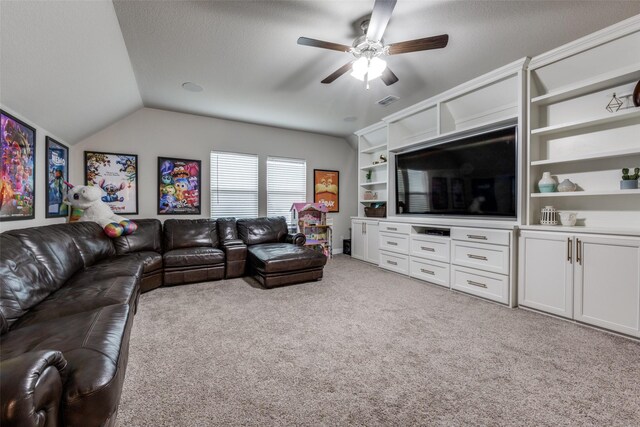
[{"x": 57, "y": 173}]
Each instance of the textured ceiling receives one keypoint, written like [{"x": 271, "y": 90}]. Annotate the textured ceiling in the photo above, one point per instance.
[
  {"x": 64, "y": 66},
  {"x": 74, "y": 67},
  {"x": 244, "y": 53}
]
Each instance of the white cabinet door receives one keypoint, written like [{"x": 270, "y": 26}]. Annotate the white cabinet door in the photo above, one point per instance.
[
  {"x": 607, "y": 284},
  {"x": 545, "y": 279},
  {"x": 357, "y": 239},
  {"x": 372, "y": 238}
]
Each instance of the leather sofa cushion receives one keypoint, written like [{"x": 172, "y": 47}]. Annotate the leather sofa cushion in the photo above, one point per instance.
[
  {"x": 54, "y": 247},
  {"x": 193, "y": 257},
  {"x": 151, "y": 261},
  {"x": 24, "y": 282},
  {"x": 93, "y": 244},
  {"x": 148, "y": 237},
  {"x": 84, "y": 294},
  {"x": 95, "y": 346},
  {"x": 110, "y": 267},
  {"x": 284, "y": 257},
  {"x": 189, "y": 233},
  {"x": 262, "y": 230},
  {"x": 227, "y": 229}
]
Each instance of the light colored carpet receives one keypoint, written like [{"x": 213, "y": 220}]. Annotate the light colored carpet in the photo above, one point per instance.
[{"x": 367, "y": 347}]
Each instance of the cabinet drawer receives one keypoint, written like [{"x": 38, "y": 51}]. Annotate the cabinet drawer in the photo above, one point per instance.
[
  {"x": 496, "y": 237},
  {"x": 492, "y": 258},
  {"x": 395, "y": 227},
  {"x": 434, "y": 248},
  {"x": 481, "y": 283},
  {"x": 394, "y": 262},
  {"x": 394, "y": 242},
  {"x": 430, "y": 271}
]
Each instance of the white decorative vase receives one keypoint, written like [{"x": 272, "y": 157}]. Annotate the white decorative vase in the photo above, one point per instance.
[
  {"x": 566, "y": 185},
  {"x": 568, "y": 218},
  {"x": 547, "y": 184}
]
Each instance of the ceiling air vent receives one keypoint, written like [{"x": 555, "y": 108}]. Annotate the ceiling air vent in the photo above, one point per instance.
[{"x": 388, "y": 100}]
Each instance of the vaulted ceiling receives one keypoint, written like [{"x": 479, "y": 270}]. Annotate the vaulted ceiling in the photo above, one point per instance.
[{"x": 77, "y": 66}]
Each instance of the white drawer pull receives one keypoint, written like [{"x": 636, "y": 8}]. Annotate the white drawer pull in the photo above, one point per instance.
[
  {"x": 478, "y": 284},
  {"x": 392, "y": 262},
  {"x": 480, "y": 257},
  {"x": 392, "y": 243},
  {"x": 425, "y": 248},
  {"x": 476, "y": 236},
  {"x": 392, "y": 229},
  {"x": 427, "y": 271}
]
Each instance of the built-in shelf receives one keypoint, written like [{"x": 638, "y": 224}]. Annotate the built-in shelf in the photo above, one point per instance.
[
  {"x": 588, "y": 193},
  {"x": 579, "y": 124},
  {"x": 373, "y": 201},
  {"x": 364, "y": 168},
  {"x": 609, "y": 154},
  {"x": 594, "y": 84},
  {"x": 371, "y": 184},
  {"x": 371, "y": 150}
]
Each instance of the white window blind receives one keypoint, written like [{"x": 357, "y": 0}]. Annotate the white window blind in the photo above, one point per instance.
[
  {"x": 286, "y": 185},
  {"x": 234, "y": 185}
]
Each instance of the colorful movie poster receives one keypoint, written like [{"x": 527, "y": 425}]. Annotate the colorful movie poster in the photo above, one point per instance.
[
  {"x": 178, "y": 186},
  {"x": 117, "y": 175},
  {"x": 325, "y": 188},
  {"x": 17, "y": 174},
  {"x": 57, "y": 174}
]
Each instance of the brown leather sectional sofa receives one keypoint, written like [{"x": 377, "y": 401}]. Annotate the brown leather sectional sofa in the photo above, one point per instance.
[{"x": 68, "y": 295}]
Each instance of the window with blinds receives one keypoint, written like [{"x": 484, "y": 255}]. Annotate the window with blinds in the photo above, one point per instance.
[
  {"x": 234, "y": 185},
  {"x": 286, "y": 185}
]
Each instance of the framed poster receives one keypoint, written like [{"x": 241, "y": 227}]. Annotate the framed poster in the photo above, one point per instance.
[
  {"x": 178, "y": 186},
  {"x": 117, "y": 175},
  {"x": 17, "y": 174},
  {"x": 57, "y": 172},
  {"x": 326, "y": 185}
]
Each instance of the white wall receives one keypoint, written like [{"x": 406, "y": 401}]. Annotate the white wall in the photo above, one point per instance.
[
  {"x": 40, "y": 169},
  {"x": 150, "y": 133}
]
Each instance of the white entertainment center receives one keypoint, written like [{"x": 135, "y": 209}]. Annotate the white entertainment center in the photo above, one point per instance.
[{"x": 589, "y": 272}]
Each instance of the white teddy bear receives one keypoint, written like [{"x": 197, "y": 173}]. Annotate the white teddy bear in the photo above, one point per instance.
[{"x": 94, "y": 209}]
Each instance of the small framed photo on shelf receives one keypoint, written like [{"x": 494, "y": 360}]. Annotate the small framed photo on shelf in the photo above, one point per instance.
[
  {"x": 57, "y": 173},
  {"x": 326, "y": 188},
  {"x": 179, "y": 186},
  {"x": 117, "y": 175},
  {"x": 18, "y": 169}
]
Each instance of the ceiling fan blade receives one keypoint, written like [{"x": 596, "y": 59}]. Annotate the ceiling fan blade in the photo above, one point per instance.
[
  {"x": 306, "y": 41},
  {"x": 435, "y": 42},
  {"x": 337, "y": 73},
  {"x": 388, "y": 77},
  {"x": 380, "y": 16}
]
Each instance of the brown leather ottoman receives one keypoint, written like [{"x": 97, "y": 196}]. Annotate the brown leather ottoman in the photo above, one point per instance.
[{"x": 277, "y": 264}]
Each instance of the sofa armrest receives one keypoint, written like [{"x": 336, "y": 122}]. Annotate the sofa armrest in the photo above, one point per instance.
[
  {"x": 234, "y": 250},
  {"x": 32, "y": 389},
  {"x": 297, "y": 239},
  {"x": 233, "y": 242}
]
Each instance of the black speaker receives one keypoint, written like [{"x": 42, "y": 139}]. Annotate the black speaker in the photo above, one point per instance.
[{"x": 346, "y": 247}]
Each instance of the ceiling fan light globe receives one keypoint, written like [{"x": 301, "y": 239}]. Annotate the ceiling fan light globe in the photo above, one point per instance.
[{"x": 376, "y": 67}]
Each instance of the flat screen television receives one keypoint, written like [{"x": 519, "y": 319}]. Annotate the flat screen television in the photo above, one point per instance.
[{"x": 472, "y": 176}]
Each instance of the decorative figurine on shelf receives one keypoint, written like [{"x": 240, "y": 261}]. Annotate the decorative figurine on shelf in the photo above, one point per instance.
[
  {"x": 614, "y": 105},
  {"x": 368, "y": 175},
  {"x": 629, "y": 181}
]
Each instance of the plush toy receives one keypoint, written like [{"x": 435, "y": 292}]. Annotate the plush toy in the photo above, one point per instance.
[{"x": 89, "y": 200}]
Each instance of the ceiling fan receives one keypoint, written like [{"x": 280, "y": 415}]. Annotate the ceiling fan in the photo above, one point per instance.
[{"x": 368, "y": 49}]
